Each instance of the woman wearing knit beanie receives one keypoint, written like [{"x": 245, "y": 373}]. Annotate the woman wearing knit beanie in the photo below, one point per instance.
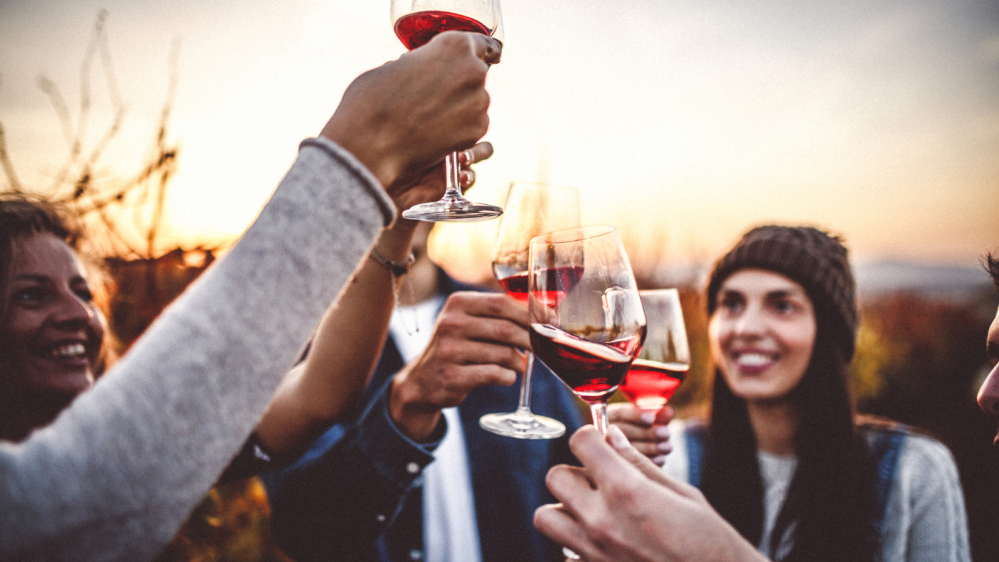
[{"x": 782, "y": 457}]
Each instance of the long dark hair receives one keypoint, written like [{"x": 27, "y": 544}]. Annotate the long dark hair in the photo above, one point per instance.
[
  {"x": 831, "y": 498},
  {"x": 22, "y": 216}
]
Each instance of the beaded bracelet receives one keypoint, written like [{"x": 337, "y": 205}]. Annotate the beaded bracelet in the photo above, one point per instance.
[{"x": 396, "y": 268}]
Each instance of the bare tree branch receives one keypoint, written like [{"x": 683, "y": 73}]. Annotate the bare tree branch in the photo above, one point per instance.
[
  {"x": 8, "y": 166},
  {"x": 130, "y": 212}
]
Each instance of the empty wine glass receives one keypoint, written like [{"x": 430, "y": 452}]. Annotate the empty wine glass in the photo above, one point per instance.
[
  {"x": 664, "y": 360},
  {"x": 416, "y": 22},
  {"x": 531, "y": 209}
]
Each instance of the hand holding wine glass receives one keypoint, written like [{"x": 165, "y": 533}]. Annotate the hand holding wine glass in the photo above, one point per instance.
[
  {"x": 416, "y": 22},
  {"x": 531, "y": 209},
  {"x": 401, "y": 119}
]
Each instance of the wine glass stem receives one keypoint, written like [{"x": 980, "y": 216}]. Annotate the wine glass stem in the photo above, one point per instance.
[
  {"x": 452, "y": 191},
  {"x": 524, "y": 406},
  {"x": 599, "y": 411}
]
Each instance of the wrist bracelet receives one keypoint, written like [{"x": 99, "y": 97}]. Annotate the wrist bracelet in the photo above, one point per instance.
[{"x": 396, "y": 268}]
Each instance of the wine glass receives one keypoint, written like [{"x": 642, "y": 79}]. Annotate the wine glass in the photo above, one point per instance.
[
  {"x": 416, "y": 22},
  {"x": 664, "y": 360},
  {"x": 531, "y": 209},
  {"x": 587, "y": 321}
]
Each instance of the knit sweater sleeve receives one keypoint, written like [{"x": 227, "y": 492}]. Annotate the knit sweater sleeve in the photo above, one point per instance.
[
  {"x": 118, "y": 472},
  {"x": 925, "y": 518}
]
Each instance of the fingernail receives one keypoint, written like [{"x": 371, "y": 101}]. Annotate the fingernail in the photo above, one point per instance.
[
  {"x": 659, "y": 460},
  {"x": 662, "y": 432},
  {"x": 468, "y": 157},
  {"x": 664, "y": 447},
  {"x": 617, "y": 438},
  {"x": 648, "y": 418}
]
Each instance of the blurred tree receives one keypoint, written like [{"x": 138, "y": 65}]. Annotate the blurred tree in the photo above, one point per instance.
[
  {"x": 124, "y": 219},
  {"x": 919, "y": 361}
]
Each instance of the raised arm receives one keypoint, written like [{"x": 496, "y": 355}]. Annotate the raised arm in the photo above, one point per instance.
[
  {"x": 349, "y": 339},
  {"x": 118, "y": 472}
]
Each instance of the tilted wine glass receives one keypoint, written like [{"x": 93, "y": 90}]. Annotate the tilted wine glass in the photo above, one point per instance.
[
  {"x": 663, "y": 363},
  {"x": 531, "y": 209},
  {"x": 416, "y": 22},
  {"x": 587, "y": 321}
]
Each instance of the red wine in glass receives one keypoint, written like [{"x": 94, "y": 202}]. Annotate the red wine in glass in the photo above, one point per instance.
[
  {"x": 650, "y": 384},
  {"x": 561, "y": 280},
  {"x": 531, "y": 209},
  {"x": 662, "y": 364},
  {"x": 416, "y": 22},
  {"x": 418, "y": 28},
  {"x": 592, "y": 370},
  {"x": 512, "y": 279}
]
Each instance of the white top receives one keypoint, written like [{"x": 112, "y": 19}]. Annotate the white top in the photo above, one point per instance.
[
  {"x": 450, "y": 531},
  {"x": 925, "y": 519}
]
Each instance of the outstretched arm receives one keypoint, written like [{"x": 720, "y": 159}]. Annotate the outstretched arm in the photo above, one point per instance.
[
  {"x": 151, "y": 438},
  {"x": 349, "y": 339}
]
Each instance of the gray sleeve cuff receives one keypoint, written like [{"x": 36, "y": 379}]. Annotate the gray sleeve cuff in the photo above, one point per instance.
[{"x": 347, "y": 160}]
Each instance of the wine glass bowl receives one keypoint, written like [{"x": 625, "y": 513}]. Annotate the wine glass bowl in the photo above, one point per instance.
[
  {"x": 531, "y": 209},
  {"x": 416, "y": 22},
  {"x": 662, "y": 364},
  {"x": 587, "y": 320}
]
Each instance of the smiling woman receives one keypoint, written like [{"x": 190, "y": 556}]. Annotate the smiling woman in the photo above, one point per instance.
[
  {"x": 52, "y": 329},
  {"x": 782, "y": 457}
]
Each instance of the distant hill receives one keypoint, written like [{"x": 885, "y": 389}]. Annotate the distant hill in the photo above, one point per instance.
[
  {"x": 938, "y": 281},
  {"x": 874, "y": 279}
]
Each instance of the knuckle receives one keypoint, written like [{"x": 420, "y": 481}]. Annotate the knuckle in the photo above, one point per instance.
[
  {"x": 506, "y": 332},
  {"x": 554, "y": 475},
  {"x": 448, "y": 351},
  {"x": 460, "y": 300},
  {"x": 505, "y": 377},
  {"x": 514, "y": 358},
  {"x": 448, "y": 326},
  {"x": 453, "y": 41},
  {"x": 598, "y": 528}
]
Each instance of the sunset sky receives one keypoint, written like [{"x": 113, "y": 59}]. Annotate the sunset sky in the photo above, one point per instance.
[{"x": 682, "y": 122}]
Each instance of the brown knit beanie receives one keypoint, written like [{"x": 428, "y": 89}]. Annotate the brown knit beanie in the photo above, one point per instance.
[{"x": 808, "y": 256}]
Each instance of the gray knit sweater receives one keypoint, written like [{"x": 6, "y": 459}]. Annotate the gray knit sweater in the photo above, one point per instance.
[{"x": 118, "y": 472}]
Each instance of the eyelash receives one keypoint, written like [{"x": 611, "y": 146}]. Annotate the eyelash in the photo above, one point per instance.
[
  {"x": 730, "y": 303},
  {"x": 784, "y": 306},
  {"x": 32, "y": 294}
]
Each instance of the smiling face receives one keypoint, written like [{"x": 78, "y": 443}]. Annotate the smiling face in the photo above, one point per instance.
[
  {"x": 762, "y": 334},
  {"x": 53, "y": 329},
  {"x": 988, "y": 395}
]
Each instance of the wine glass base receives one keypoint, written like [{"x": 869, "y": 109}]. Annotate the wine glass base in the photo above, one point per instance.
[
  {"x": 452, "y": 211},
  {"x": 522, "y": 427}
]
